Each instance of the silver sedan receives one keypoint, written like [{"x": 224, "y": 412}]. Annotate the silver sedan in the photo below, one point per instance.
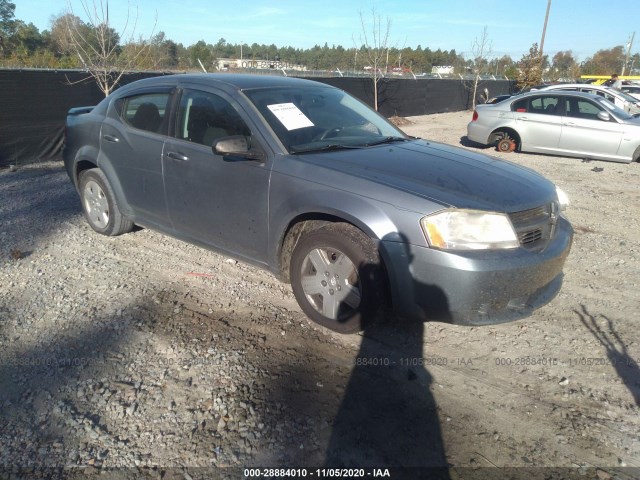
[{"x": 558, "y": 122}]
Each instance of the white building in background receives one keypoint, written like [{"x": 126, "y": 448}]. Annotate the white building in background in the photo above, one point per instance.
[
  {"x": 442, "y": 69},
  {"x": 224, "y": 64}
]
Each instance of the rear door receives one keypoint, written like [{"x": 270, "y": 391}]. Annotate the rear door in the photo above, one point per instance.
[
  {"x": 131, "y": 143},
  {"x": 583, "y": 133},
  {"x": 538, "y": 122}
]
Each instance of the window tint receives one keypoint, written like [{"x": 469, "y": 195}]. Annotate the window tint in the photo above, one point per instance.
[
  {"x": 146, "y": 112},
  {"x": 204, "y": 118},
  {"x": 580, "y": 108},
  {"x": 547, "y": 105}
]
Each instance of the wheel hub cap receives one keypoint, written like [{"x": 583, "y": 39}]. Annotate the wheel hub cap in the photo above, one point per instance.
[
  {"x": 96, "y": 205},
  {"x": 330, "y": 282}
]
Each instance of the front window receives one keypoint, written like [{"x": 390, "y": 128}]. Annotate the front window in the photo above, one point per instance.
[
  {"x": 581, "y": 108},
  {"x": 204, "y": 118},
  {"x": 309, "y": 119},
  {"x": 617, "y": 111}
]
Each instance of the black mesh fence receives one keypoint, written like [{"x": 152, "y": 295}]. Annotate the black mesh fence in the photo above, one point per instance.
[{"x": 34, "y": 103}]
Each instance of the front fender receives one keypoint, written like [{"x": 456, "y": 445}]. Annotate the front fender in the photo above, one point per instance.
[{"x": 293, "y": 201}]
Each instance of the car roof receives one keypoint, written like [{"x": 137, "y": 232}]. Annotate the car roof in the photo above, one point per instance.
[
  {"x": 509, "y": 101},
  {"x": 228, "y": 80},
  {"x": 578, "y": 85},
  {"x": 572, "y": 93}
]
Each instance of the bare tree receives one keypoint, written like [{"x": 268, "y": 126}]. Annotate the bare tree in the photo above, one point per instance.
[
  {"x": 375, "y": 43},
  {"x": 99, "y": 46},
  {"x": 481, "y": 50}
]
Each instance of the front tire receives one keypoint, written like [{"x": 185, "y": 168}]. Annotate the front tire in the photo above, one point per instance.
[
  {"x": 99, "y": 204},
  {"x": 338, "y": 279}
]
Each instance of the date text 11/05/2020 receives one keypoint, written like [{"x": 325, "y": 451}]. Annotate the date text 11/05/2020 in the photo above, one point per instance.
[{"x": 249, "y": 473}]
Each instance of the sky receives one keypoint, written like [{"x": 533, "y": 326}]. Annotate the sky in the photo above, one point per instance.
[{"x": 582, "y": 26}]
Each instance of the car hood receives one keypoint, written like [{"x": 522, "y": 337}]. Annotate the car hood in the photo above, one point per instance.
[{"x": 447, "y": 175}]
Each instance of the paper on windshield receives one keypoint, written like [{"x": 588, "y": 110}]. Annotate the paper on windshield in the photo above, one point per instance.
[{"x": 290, "y": 116}]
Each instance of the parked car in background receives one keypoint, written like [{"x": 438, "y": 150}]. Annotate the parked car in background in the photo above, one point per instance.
[
  {"x": 302, "y": 179},
  {"x": 560, "y": 122},
  {"x": 498, "y": 99},
  {"x": 623, "y": 100},
  {"x": 633, "y": 90}
]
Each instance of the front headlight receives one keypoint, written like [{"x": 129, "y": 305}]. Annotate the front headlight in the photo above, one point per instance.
[
  {"x": 563, "y": 198},
  {"x": 469, "y": 230}
]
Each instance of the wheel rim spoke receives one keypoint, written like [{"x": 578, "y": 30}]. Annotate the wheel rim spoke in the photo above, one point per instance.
[
  {"x": 311, "y": 285},
  {"x": 343, "y": 267},
  {"x": 330, "y": 306},
  {"x": 318, "y": 259},
  {"x": 350, "y": 295}
]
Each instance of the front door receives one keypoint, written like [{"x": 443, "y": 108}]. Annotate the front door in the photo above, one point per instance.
[
  {"x": 222, "y": 202},
  {"x": 584, "y": 133}
]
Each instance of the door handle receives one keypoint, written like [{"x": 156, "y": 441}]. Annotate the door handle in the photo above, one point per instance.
[
  {"x": 177, "y": 156},
  {"x": 523, "y": 118},
  {"x": 570, "y": 124},
  {"x": 111, "y": 138}
]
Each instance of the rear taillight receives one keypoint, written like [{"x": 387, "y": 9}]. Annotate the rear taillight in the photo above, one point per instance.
[{"x": 475, "y": 116}]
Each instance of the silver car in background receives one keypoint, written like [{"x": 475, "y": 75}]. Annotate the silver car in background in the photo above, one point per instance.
[
  {"x": 620, "y": 99},
  {"x": 558, "y": 122}
]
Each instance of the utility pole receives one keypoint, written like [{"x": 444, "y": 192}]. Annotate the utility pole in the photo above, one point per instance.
[
  {"x": 544, "y": 33},
  {"x": 626, "y": 60},
  {"x": 544, "y": 29}
]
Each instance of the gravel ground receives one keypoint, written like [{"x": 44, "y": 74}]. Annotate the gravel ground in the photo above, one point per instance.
[{"x": 143, "y": 351}]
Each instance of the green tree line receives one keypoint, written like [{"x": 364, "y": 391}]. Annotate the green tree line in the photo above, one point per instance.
[{"x": 23, "y": 45}]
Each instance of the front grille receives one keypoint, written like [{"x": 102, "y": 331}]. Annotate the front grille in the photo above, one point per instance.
[{"x": 535, "y": 227}]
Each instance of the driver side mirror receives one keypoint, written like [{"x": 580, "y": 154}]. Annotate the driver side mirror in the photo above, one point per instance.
[
  {"x": 236, "y": 146},
  {"x": 604, "y": 116}
]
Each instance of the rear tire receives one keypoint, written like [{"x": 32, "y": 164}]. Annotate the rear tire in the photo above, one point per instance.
[
  {"x": 338, "y": 279},
  {"x": 99, "y": 204},
  {"x": 506, "y": 144}
]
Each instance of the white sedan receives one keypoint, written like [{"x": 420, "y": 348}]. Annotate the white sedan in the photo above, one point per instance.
[
  {"x": 621, "y": 99},
  {"x": 633, "y": 90},
  {"x": 558, "y": 122}
]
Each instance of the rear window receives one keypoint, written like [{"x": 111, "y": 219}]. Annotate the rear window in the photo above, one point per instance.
[
  {"x": 547, "y": 105},
  {"x": 145, "y": 112}
]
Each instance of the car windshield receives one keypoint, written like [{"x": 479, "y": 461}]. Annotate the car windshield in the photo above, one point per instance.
[
  {"x": 617, "y": 111},
  {"x": 313, "y": 119}
]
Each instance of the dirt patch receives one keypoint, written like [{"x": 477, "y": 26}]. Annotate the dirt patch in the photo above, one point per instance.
[{"x": 400, "y": 121}]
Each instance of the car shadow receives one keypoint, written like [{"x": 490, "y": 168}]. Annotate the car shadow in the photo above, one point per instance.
[
  {"x": 465, "y": 142},
  {"x": 36, "y": 201},
  {"x": 388, "y": 415},
  {"x": 626, "y": 367}
]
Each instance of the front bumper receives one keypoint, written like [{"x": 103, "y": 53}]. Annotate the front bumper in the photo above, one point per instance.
[{"x": 475, "y": 287}]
